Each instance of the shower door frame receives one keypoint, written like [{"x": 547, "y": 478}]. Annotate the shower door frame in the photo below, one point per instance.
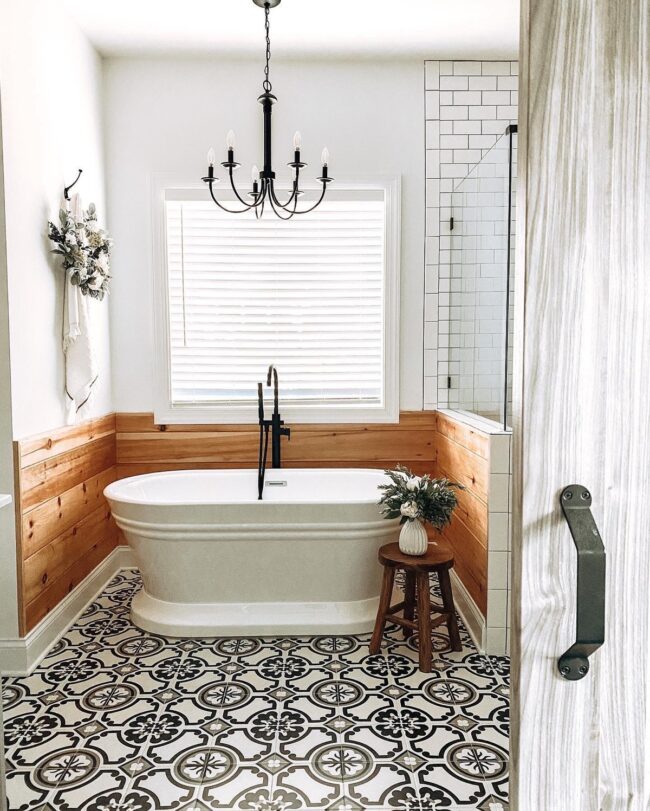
[{"x": 458, "y": 217}]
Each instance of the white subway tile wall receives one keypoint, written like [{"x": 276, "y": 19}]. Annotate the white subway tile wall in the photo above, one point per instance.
[{"x": 469, "y": 104}]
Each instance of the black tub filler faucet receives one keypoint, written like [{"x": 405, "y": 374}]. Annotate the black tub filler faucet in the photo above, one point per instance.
[{"x": 278, "y": 430}]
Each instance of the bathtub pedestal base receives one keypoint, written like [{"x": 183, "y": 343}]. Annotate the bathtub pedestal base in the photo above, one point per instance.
[{"x": 252, "y": 619}]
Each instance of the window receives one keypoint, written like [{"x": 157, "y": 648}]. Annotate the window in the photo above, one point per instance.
[{"x": 317, "y": 296}]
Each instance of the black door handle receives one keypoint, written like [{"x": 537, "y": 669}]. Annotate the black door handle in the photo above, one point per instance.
[{"x": 590, "y": 603}]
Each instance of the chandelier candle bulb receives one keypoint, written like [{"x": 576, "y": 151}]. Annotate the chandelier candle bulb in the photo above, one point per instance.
[
  {"x": 211, "y": 160},
  {"x": 297, "y": 145},
  {"x": 230, "y": 144},
  {"x": 325, "y": 156}
]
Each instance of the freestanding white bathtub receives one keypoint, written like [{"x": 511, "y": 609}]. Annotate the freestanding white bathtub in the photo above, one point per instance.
[{"x": 215, "y": 561}]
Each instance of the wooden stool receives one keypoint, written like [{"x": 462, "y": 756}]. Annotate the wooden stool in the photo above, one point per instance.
[{"x": 438, "y": 559}]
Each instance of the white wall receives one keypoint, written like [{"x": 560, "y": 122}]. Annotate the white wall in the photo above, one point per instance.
[
  {"x": 8, "y": 571},
  {"x": 164, "y": 115},
  {"x": 50, "y": 80}
]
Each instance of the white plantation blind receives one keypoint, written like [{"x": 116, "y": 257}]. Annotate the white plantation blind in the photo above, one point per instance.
[{"x": 308, "y": 295}]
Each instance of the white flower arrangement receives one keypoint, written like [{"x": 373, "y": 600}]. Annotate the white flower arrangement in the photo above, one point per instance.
[
  {"x": 86, "y": 250},
  {"x": 411, "y": 497}
]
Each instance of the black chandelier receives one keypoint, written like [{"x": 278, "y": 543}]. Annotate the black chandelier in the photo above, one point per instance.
[{"x": 263, "y": 189}]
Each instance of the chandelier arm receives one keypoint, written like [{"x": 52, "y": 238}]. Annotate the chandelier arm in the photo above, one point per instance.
[
  {"x": 248, "y": 206},
  {"x": 292, "y": 199},
  {"x": 222, "y": 207},
  {"x": 316, "y": 204},
  {"x": 277, "y": 212}
]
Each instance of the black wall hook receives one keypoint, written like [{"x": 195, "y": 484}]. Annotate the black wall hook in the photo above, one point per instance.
[{"x": 66, "y": 190}]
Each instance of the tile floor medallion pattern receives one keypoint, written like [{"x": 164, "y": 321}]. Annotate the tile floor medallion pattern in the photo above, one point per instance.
[{"x": 115, "y": 719}]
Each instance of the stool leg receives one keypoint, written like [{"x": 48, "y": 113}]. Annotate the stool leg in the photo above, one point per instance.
[
  {"x": 424, "y": 621},
  {"x": 448, "y": 603},
  {"x": 384, "y": 605},
  {"x": 409, "y": 601}
]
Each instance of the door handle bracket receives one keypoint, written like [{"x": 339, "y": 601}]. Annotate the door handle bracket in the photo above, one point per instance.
[{"x": 575, "y": 501}]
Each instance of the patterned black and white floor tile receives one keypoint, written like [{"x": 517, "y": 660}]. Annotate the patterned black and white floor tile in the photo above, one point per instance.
[{"x": 115, "y": 719}]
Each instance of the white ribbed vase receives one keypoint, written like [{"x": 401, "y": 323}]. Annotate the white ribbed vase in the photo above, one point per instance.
[{"x": 413, "y": 538}]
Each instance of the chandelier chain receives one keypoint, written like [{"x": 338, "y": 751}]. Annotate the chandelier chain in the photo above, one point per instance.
[{"x": 267, "y": 83}]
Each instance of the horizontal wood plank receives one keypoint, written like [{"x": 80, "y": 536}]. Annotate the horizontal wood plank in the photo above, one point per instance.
[
  {"x": 471, "y": 510},
  {"x": 45, "y": 446},
  {"x": 138, "y": 423},
  {"x": 50, "y": 519},
  {"x": 463, "y": 466},
  {"x": 349, "y": 445},
  {"x": 54, "y": 476},
  {"x": 50, "y": 562},
  {"x": 471, "y": 438}
]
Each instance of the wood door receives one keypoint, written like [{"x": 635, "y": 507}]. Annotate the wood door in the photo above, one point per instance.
[{"x": 582, "y": 412}]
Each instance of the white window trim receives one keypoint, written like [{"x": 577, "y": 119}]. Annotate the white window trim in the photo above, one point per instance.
[{"x": 165, "y": 412}]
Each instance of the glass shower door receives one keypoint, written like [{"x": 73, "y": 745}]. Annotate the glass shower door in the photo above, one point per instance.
[{"x": 480, "y": 282}]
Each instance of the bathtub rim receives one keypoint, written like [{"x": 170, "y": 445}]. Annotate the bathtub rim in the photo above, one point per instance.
[{"x": 111, "y": 491}]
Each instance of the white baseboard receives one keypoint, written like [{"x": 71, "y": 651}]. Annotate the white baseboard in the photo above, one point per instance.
[
  {"x": 19, "y": 657},
  {"x": 469, "y": 612}
]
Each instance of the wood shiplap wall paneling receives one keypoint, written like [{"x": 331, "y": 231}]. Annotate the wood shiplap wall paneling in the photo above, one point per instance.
[
  {"x": 463, "y": 434},
  {"x": 462, "y": 455},
  {"x": 60, "y": 513},
  {"x": 143, "y": 446},
  {"x": 50, "y": 596},
  {"x": 64, "y": 523},
  {"x": 45, "y": 446}
]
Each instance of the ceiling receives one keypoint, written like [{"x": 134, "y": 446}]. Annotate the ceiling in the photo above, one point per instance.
[{"x": 303, "y": 28}]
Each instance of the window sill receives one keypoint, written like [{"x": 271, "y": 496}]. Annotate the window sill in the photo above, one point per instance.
[{"x": 247, "y": 415}]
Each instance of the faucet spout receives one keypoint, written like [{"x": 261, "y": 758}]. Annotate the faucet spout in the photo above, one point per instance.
[
  {"x": 273, "y": 373},
  {"x": 276, "y": 423}
]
